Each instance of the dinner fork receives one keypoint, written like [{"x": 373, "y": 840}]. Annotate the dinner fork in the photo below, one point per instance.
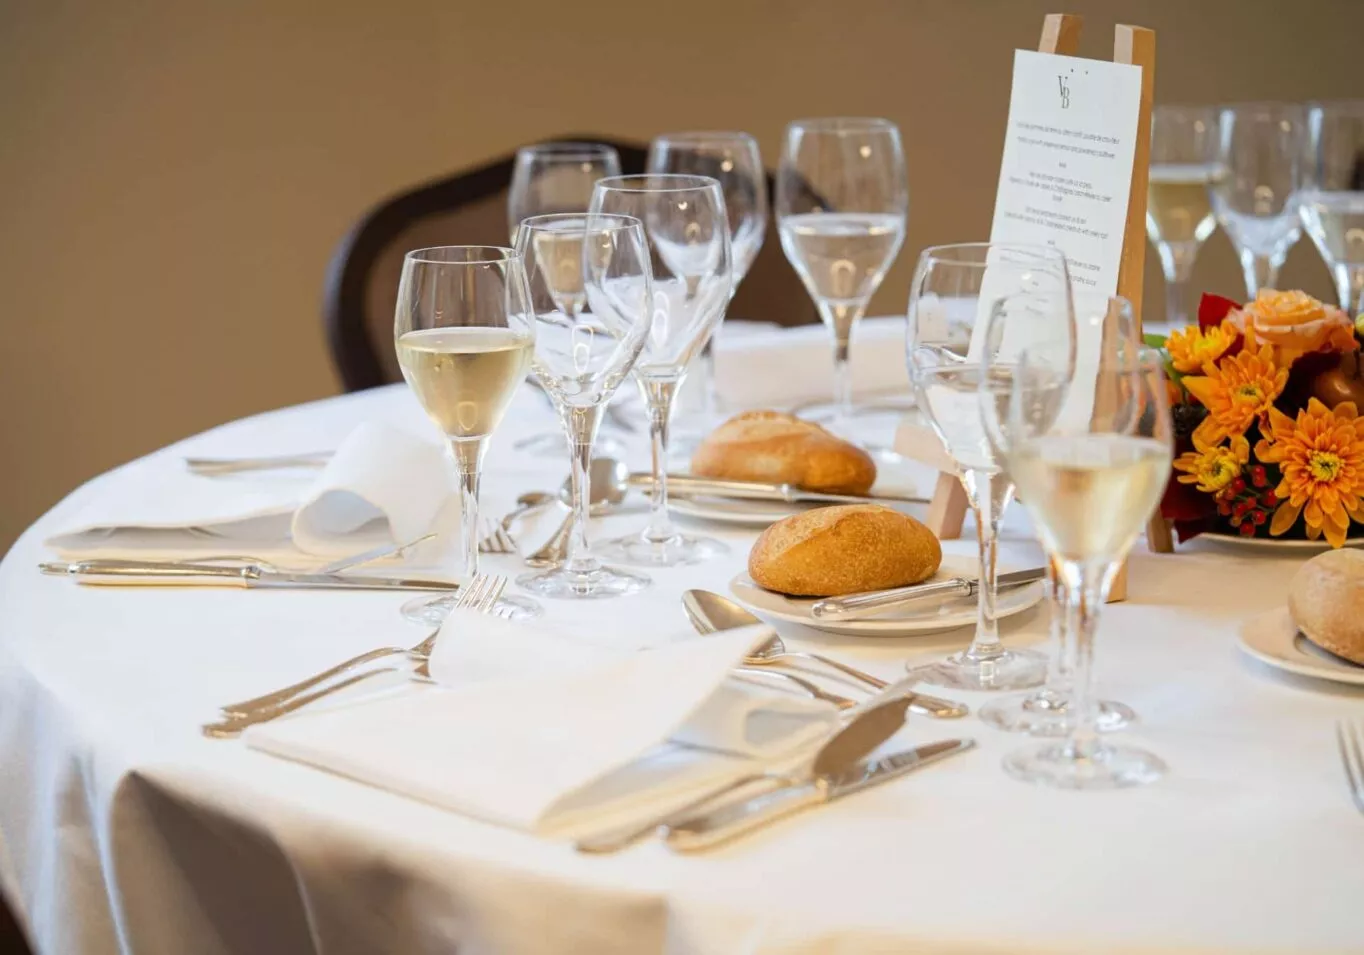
[
  {"x": 479, "y": 594},
  {"x": 1352, "y": 758},
  {"x": 496, "y": 539}
]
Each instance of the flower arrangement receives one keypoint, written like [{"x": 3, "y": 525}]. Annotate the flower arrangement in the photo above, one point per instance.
[{"x": 1266, "y": 398}]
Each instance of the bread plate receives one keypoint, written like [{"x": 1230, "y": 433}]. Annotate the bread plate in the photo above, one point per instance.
[
  {"x": 924, "y": 616},
  {"x": 1273, "y": 639}
]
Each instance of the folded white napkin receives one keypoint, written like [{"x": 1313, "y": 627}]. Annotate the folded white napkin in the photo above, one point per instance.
[
  {"x": 382, "y": 485},
  {"x": 540, "y": 731},
  {"x": 779, "y": 368}
]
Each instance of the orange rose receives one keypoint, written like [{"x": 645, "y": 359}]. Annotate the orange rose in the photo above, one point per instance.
[{"x": 1295, "y": 323}]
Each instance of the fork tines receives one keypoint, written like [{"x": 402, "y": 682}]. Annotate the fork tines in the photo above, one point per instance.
[
  {"x": 495, "y": 539},
  {"x": 481, "y": 593},
  {"x": 1352, "y": 758}
]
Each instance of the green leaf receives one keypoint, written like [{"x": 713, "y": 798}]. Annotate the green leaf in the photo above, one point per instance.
[{"x": 1152, "y": 340}]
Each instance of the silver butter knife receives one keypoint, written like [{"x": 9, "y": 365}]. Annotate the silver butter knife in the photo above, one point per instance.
[
  {"x": 251, "y": 576},
  {"x": 685, "y": 484},
  {"x": 856, "y": 605},
  {"x": 719, "y": 825}
]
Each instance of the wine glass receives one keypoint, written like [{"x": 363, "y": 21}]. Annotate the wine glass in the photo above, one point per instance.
[
  {"x": 842, "y": 200},
  {"x": 684, "y": 220},
  {"x": 1179, "y": 218},
  {"x": 956, "y": 290},
  {"x": 1333, "y": 195},
  {"x": 1090, "y": 482},
  {"x": 576, "y": 263},
  {"x": 1257, "y": 192},
  {"x": 1050, "y": 711},
  {"x": 731, "y": 159},
  {"x": 464, "y": 333},
  {"x": 556, "y": 177}
]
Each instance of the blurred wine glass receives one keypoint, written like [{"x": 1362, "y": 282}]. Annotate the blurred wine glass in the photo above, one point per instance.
[
  {"x": 1333, "y": 195},
  {"x": 1179, "y": 215},
  {"x": 1257, "y": 190}
]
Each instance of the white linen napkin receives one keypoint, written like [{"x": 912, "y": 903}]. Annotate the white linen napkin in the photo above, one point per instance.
[
  {"x": 778, "y": 368},
  {"x": 539, "y": 731},
  {"x": 382, "y": 485}
]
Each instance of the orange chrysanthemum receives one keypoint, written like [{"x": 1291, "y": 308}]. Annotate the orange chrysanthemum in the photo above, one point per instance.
[
  {"x": 1193, "y": 347},
  {"x": 1321, "y": 457},
  {"x": 1236, "y": 392},
  {"x": 1213, "y": 466}
]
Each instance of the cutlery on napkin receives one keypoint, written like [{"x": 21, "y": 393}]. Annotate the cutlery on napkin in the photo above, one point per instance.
[
  {"x": 559, "y": 736},
  {"x": 382, "y": 485}
]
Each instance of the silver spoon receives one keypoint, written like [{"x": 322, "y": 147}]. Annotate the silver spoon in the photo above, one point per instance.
[
  {"x": 709, "y": 612},
  {"x": 609, "y": 481}
]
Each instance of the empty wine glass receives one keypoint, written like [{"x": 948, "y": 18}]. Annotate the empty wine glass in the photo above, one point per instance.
[
  {"x": 1333, "y": 195},
  {"x": 574, "y": 263},
  {"x": 1090, "y": 482},
  {"x": 1179, "y": 218},
  {"x": 957, "y": 290},
  {"x": 842, "y": 200},
  {"x": 684, "y": 220},
  {"x": 1256, "y": 193},
  {"x": 1050, "y": 711},
  {"x": 731, "y": 159},
  {"x": 464, "y": 333}
]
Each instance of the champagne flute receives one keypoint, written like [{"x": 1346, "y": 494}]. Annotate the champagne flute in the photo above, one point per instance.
[
  {"x": 556, "y": 177},
  {"x": 842, "y": 200},
  {"x": 732, "y": 159},
  {"x": 684, "y": 220},
  {"x": 1179, "y": 218},
  {"x": 1090, "y": 481},
  {"x": 1333, "y": 197},
  {"x": 957, "y": 289},
  {"x": 464, "y": 333},
  {"x": 1258, "y": 190},
  {"x": 575, "y": 263},
  {"x": 1050, "y": 711}
]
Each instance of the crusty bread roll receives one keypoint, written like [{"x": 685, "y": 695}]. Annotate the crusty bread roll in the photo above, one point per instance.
[
  {"x": 782, "y": 449},
  {"x": 1326, "y": 601},
  {"x": 843, "y": 550}
]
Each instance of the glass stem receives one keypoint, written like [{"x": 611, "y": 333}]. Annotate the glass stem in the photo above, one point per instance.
[
  {"x": 468, "y": 455},
  {"x": 659, "y": 394},
  {"x": 706, "y": 366},
  {"x": 1261, "y": 271},
  {"x": 1177, "y": 262},
  {"x": 1350, "y": 287},
  {"x": 581, "y": 426},
  {"x": 841, "y": 319},
  {"x": 1056, "y": 694},
  {"x": 1088, "y": 586},
  {"x": 988, "y": 495}
]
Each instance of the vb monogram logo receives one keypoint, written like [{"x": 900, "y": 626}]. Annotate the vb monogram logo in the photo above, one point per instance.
[{"x": 1065, "y": 92}]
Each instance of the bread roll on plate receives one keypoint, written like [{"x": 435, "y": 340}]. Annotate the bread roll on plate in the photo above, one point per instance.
[
  {"x": 1326, "y": 602},
  {"x": 779, "y": 448},
  {"x": 847, "y": 549}
]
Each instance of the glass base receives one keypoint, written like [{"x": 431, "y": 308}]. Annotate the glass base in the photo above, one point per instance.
[
  {"x": 599, "y": 582},
  {"x": 432, "y": 611},
  {"x": 1106, "y": 767},
  {"x": 1044, "y": 714},
  {"x": 676, "y": 551},
  {"x": 1005, "y": 670}
]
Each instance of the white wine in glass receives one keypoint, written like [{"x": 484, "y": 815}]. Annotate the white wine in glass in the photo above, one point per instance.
[
  {"x": 842, "y": 257},
  {"x": 464, "y": 377},
  {"x": 1179, "y": 218},
  {"x": 1178, "y": 205},
  {"x": 1332, "y": 206}
]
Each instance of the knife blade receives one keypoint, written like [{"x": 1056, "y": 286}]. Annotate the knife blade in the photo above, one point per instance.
[
  {"x": 250, "y": 576},
  {"x": 855, "y": 605},
  {"x": 727, "y": 822},
  {"x": 685, "y": 484}
]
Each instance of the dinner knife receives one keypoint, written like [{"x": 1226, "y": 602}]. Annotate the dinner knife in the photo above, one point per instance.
[
  {"x": 719, "y": 825},
  {"x": 855, "y": 605},
  {"x": 755, "y": 490},
  {"x": 250, "y": 576}
]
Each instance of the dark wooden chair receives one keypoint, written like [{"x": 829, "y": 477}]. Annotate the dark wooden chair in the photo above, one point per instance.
[{"x": 471, "y": 208}]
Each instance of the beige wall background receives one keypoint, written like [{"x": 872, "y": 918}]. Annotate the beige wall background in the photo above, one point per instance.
[{"x": 174, "y": 175}]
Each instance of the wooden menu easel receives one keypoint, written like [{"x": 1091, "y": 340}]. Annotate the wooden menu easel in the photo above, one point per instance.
[{"x": 1131, "y": 45}]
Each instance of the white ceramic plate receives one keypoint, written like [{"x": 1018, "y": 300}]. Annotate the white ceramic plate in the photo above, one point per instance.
[
  {"x": 1270, "y": 543},
  {"x": 1273, "y": 639},
  {"x": 924, "y": 616}
]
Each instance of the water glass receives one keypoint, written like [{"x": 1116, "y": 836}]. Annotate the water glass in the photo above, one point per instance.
[
  {"x": 1333, "y": 195},
  {"x": 1179, "y": 217}
]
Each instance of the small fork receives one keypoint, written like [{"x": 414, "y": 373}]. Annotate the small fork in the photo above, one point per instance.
[
  {"x": 496, "y": 539},
  {"x": 1352, "y": 758}
]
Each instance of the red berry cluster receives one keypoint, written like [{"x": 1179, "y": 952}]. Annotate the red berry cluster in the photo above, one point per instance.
[{"x": 1248, "y": 506}]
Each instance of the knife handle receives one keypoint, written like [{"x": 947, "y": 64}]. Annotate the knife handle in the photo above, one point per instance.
[
  {"x": 152, "y": 575},
  {"x": 720, "y": 825},
  {"x": 859, "y": 604}
]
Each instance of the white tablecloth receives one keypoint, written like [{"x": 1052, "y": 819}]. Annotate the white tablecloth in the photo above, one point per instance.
[{"x": 122, "y": 829}]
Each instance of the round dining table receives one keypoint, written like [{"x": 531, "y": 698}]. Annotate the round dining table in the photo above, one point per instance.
[{"x": 124, "y": 829}]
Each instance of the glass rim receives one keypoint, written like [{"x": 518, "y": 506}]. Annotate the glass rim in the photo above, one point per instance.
[
  {"x": 568, "y": 149},
  {"x": 935, "y": 252},
  {"x": 680, "y": 182},
  {"x": 620, "y": 221},
  {"x": 1345, "y": 106},
  {"x": 702, "y": 135},
  {"x": 1263, "y": 106},
  {"x": 844, "y": 125},
  {"x": 487, "y": 255},
  {"x": 1186, "y": 109}
]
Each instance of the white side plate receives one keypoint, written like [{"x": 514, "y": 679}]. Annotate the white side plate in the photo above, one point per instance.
[{"x": 1272, "y": 639}]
